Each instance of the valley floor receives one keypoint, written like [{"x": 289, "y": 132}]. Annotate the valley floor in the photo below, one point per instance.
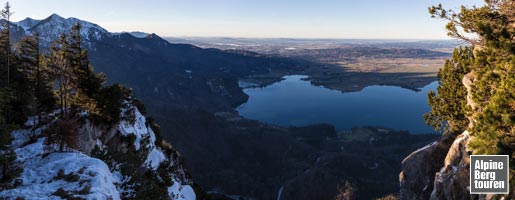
[
  {"x": 227, "y": 154},
  {"x": 353, "y": 79}
]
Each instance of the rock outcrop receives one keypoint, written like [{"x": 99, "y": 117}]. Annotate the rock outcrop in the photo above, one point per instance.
[
  {"x": 467, "y": 81},
  {"x": 438, "y": 171},
  {"x": 88, "y": 135},
  {"x": 441, "y": 170},
  {"x": 419, "y": 169},
  {"x": 127, "y": 160},
  {"x": 452, "y": 181}
]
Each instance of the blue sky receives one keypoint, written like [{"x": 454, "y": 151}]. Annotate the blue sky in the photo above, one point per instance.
[{"x": 378, "y": 19}]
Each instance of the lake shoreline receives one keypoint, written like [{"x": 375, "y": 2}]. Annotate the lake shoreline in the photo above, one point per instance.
[{"x": 272, "y": 104}]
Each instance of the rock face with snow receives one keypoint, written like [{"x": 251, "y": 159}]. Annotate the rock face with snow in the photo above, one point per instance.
[
  {"x": 122, "y": 162},
  {"x": 28, "y": 23},
  {"x": 53, "y": 26}
]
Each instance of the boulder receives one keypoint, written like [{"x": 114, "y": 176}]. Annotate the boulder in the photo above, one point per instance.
[
  {"x": 419, "y": 169},
  {"x": 452, "y": 181}
]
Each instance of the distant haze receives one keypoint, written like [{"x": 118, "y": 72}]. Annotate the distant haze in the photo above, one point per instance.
[{"x": 364, "y": 19}]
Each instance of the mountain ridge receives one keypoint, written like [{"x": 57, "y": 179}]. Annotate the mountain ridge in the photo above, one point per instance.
[
  {"x": 116, "y": 54},
  {"x": 51, "y": 27}
]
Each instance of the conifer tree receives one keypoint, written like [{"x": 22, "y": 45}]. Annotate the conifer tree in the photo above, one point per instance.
[
  {"x": 62, "y": 72},
  {"x": 6, "y": 15},
  {"x": 490, "y": 29},
  {"x": 24, "y": 103},
  {"x": 4, "y": 53},
  {"x": 36, "y": 76},
  {"x": 4, "y": 89},
  {"x": 88, "y": 82},
  {"x": 491, "y": 32},
  {"x": 448, "y": 106}
]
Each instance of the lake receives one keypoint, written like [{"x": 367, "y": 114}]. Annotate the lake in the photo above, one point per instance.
[{"x": 296, "y": 102}]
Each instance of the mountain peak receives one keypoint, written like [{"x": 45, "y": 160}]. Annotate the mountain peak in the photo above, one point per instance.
[
  {"x": 54, "y": 25},
  {"x": 27, "y": 19},
  {"x": 152, "y": 35},
  {"x": 55, "y": 16},
  {"x": 27, "y": 23},
  {"x": 156, "y": 39},
  {"x": 139, "y": 34}
]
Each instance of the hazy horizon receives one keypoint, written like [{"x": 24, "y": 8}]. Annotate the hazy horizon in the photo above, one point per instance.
[
  {"x": 266, "y": 19},
  {"x": 306, "y": 38}
]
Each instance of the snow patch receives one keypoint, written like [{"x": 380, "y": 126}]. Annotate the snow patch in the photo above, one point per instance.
[
  {"x": 43, "y": 173},
  {"x": 30, "y": 151},
  {"x": 181, "y": 192},
  {"x": 155, "y": 158},
  {"x": 138, "y": 129},
  {"x": 40, "y": 177}
]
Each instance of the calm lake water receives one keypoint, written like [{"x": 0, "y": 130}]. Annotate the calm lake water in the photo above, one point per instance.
[{"x": 295, "y": 102}]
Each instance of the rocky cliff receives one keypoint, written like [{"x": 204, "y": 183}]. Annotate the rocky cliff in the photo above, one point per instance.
[
  {"x": 441, "y": 169},
  {"x": 127, "y": 160}
]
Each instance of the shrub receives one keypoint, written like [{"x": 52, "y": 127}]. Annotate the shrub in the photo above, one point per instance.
[
  {"x": 63, "y": 133},
  {"x": 9, "y": 171},
  {"x": 388, "y": 197},
  {"x": 85, "y": 190},
  {"x": 65, "y": 194},
  {"x": 70, "y": 177},
  {"x": 141, "y": 107},
  {"x": 110, "y": 102},
  {"x": 346, "y": 192}
]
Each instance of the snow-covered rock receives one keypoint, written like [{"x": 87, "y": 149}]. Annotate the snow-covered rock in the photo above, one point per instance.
[
  {"x": 135, "y": 124},
  {"x": 181, "y": 192},
  {"x": 53, "y": 26},
  {"x": 48, "y": 174},
  {"x": 28, "y": 23},
  {"x": 141, "y": 132},
  {"x": 43, "y": 175},
  {"x": 154, "y": 158},
  {"x": 138, "y": 128},
  {"x": 41, "y": 180}
]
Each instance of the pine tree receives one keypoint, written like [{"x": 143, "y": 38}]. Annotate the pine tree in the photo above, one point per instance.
[
  {"x": 4, "y": 52},
  {"x": 88, "y": 83},
  {"x": 6, "y": 15},
  {"x": 26, "y": 60},
  {"x": 448, "y": 107},
  {"x": 62, "y": 72},
  {"x": 4, "y": 46},
  {"x": 42, "y": 83},
  {"x": 6, "y": 95},
  {"x": 5, "y": 92},
  {"x": 490, "y": 30},
  {"x": 4, "y": 126},
  {"x": 35, "y": 77}
]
